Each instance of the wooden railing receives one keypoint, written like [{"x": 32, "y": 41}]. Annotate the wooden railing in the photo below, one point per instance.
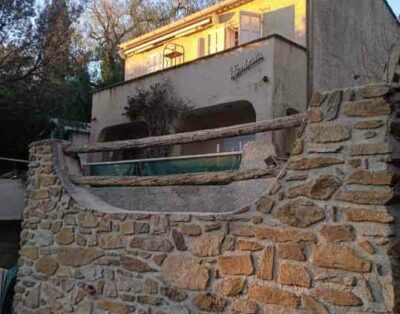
[
  {"x": 191, "y": 137},
  {"x": 184, "y": 138}
]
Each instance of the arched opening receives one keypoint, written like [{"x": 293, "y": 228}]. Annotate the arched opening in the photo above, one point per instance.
[
  {"x": 125, "y": 131},
  {"x": 217, "y": 116}
]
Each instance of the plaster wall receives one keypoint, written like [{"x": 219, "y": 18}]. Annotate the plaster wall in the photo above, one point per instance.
[
  {"x": 348, "y": 38},
  {"x": 206, "y": 82}
]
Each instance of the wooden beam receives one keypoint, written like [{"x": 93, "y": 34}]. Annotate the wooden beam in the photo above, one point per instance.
[
  {"x": 190, "y": 137},
  {"x": 223, "y": 177}
]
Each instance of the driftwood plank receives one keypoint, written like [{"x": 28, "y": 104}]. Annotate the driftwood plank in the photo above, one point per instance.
[
  {"x": 223, "y": 177},
  {"x": 191, "y": 137}
]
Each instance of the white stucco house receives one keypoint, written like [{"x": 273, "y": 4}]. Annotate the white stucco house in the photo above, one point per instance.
[{"x": 241, "y": 61}]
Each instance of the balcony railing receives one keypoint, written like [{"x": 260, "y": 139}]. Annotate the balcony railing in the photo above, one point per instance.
[{"x": 219, "y": 177}]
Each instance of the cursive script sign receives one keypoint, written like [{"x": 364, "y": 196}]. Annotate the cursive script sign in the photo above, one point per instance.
[{"x": 237, "y": 70}]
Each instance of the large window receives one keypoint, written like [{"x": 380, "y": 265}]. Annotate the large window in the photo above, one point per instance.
[{"x": 250, "y": 27}]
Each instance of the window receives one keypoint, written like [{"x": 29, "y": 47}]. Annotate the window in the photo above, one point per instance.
[
  {"x": 154, "y": 62},
  {"x": 250, "y": 27},
  {"x": 231, "y": 37},
  {"x": 212, "y": 39},
  {"x": 201, "y": 51}
]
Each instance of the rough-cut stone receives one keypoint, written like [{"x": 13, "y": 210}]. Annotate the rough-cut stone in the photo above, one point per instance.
[
  {"x": 266, "y": 264},
  {"x": 87, "y": 220},
  {"x": 153, "y": 244},
  {"x": 206, "y": 245},
  {"x": 240, "y": 306},
  {"x": 367, "y": 246},
  {"x": 331, "y": 105},
  {"x": 235, "y": 264},
  {"x": 173, "y": 294},
  {"x": 312, "y": 306},
  {"x": 185, "y": 272},
  {"x": 149, "y": 300},
  {"x": 272, "y": 295},
  {"x": 363, "y": 214},
  {"x": 340, "y": 257},
  {"x": 369, "y": 124},
  {"x": 112, "y": 241},
  {"x": 366, "y": 177},
  {"x": 47, "y": 265},
  {"x": 179, "y": 240},
  {"x": 376, "y": 90},
  {"x": 314, "y": 162},
  {"x": 231, "y": 286},
  {"x": 320, "y": 189},
  {"x": 317, "y": 99},
  {"x": 128, "y": 228},
  {"x": 29, "y": 252},
  {"x": 328, "y": 133},
  {"x": 367, "y": 108},
  {"x": 291, "y": 251},
  {"x": 191, "y": 229},
  {"x": 65, "y": 236},
  {"x": 159, "y": 224},
  {"x": 209, "y": 303},
  {"x": 337, "y": 233},
  {"x": 291, "y": 274},
  {"x": 264, "y": 205},
  {"x": 277, "y": 234},
  {"x": 366, "y": 197},
  {"x": 243, "y": 245},
  {"x": 32, "y": 298},
  {"x": 366, "y": 149},
  {"x": 135, "y": 264},
  {"x": 337, "y": 297},
  {"x": 76, "y": 256},
  {"x": 315, "y": 115},
  {"x": 299, "y": 213},
  {"x": 113, "y": 307},
  {"x": 159, "y": 259},
  {"x": 298, "y": 147}
]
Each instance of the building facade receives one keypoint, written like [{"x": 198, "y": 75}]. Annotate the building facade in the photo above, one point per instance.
[{"x": 245, "y": 61}]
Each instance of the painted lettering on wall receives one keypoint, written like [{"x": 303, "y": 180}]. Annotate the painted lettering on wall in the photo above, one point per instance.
[{"x": 237, "y": 70}]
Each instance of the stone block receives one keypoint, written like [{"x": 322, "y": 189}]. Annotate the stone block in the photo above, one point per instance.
[
  {"x": 337, "y": 233},
  {"x": 291, "y": 251},
  {"x": 151, "y": 243},
  {"x": 314, "y": 162},
  {"x": 367, "y": 108},
  {"x": 328, "y": 133},
  {"x": 185, "y": 272},
  {"x": 273, "y": 295},
  {"x": 206, "y": 245},
  {"x": 367, "y": 177},
  {"x": 266, "y": 264},
  {"x": 235, "y": 264},
  {"x": 366, "y": 197},
  {"x": 340, "y": 257},
  {"x": 338, "y": 297},
  {"x": 293, "y": 274},
  {"x": 299, "y": 213},
  {"x": 231, "y": 286}
]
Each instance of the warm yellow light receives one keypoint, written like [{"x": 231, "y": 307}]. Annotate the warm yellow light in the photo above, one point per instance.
[{"x": 183, "y": 31}]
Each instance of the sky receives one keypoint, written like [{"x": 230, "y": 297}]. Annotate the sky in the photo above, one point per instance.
[{"x": 395, "y": 5}]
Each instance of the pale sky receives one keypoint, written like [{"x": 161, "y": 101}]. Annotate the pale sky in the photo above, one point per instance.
[{"x": 395, "y": 5}]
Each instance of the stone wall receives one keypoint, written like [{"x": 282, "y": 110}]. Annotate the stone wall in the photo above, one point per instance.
[{"x": 321, "y": 239}]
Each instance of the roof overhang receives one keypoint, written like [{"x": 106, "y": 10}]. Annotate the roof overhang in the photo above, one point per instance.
[{"x": 151, "y": 39}]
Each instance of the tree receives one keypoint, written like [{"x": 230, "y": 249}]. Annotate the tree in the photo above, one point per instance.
[
  {"x": 110, "y": 22},
  {"x": 160, "y": 109}
]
